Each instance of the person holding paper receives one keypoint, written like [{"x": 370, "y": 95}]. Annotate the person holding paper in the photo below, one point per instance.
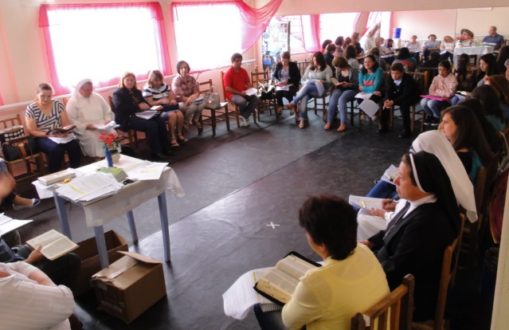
[
  {"x": 30, "y": 300},
  {"x": 315, "y": 81},
  {"x": 287, "y": 77},
  {"x": 442, "y": 89},
  {"x": 127, "y": 101},
  {"x": 186, "y": 89},
  {"x": 350, "y": 281},
  {"x": 400, "y": 90},
  {"x": 44, "y": 116},
  {"x": 236, "y": 83},
  {"x": 345, "y": 87},
  {"x": 426, "y": 223},
  {"x": 88, "y": 111},
  {"x": 158, "y": 94},
  {"x": 371, "y": 78}
]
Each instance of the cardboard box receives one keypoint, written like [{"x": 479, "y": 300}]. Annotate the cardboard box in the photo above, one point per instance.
[
  {"x": 90, "y": 265},
  {"x": 129, "y": 286}
]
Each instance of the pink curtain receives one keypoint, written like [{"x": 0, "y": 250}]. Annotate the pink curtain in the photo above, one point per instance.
[
  {"x": 44, "y": 25},
  {"x": 312, "y": 36},
  {"x": 255, "y": 20},
  {"x": 1, "y": 100}
]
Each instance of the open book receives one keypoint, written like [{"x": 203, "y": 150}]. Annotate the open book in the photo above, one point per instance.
[
  {"x": 53, "y": 244},
  {"x": 279, "y": 282},
  {"x": 62, "y": 130},
  {"x": 434, "y": 97}
]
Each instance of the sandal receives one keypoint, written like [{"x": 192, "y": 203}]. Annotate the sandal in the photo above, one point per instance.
[
  {"x": 327, "y": 127},
  {"x": 341, "y": 128},
  {"x": 182, "y": 139},
  {"x": 302, "y": 123},
  {"x": 174, "y": 144}
]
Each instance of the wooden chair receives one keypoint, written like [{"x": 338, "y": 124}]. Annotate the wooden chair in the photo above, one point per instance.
[
  {"x": 263, "y": 77},
  {"x": 302, "y": 65},
  {"x": 32, "y": 161},
  {"x": 130, "y": 135},
  {"x": 393, "y": 312},
  {"x": 447, "y": 274},
  {"x": 213, "y": 114},
  {"x": 235, "y": 107}
]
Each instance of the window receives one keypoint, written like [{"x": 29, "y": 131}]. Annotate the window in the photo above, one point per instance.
[
  {"x": 102, "y": 41},
  {"x": 301, "y": 33},
  {"x": 207, "y": 34},
  {"x": 337, "y": 24},
  {"x": 382, "y": 17}
]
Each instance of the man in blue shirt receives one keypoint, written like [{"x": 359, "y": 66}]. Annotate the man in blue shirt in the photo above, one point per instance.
[{"x": 494, "y": 38}]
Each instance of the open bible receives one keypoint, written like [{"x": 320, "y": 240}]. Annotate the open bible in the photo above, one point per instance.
[
  {"x": 53, "y": 244},
  {"x": 279, "y": 282}
]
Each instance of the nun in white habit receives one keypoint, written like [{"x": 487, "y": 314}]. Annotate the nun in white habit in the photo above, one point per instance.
[{"x": 88, "y": 109}]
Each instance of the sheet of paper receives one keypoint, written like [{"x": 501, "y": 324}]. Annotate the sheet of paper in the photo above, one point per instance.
[
  {"x": 363, "y": 95},
  {"x": 369, "y": 107},
  {"x": 365, "y": 202},
  {"x": 251, "y": 91},
  {"x": 8, "y": 224},
  {"x": 147, "y": 114},
  {"x": 106, "y": 127},
  {"x": 149, "y": 171},
  {"x": 89, "y": 187},
  {"x": 390, "y": 174},
  {"x": 63, "y": 140},
  {"x": 241, "y": 297}
]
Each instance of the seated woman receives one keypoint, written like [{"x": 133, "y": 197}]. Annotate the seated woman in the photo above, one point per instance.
[
  {"x": 350, "y": 281},
  {"x": 87, "y": 109},
  {"x": 287, "y": 77},
  {"x": 407, "y": 59},
  {"x": 351, "y": 57},
  {"x": 345, "y": 84},
  {"x": 42, "y": 118},
  {"x": 371, "y": 78},
  {"x": 437, "y": 144},
  {"x": 7, "y": 195},
  {"x": 464, "y": 74},
  {"x": 501, "y": 87},
  {"x": 490, "y": 109},
  {"x": 487, "y": 67},
  {"x": 186, "y": 89},
  {"x": 442, "y": 89},
  {"x": 425, "y": 222},
  {"x": 466, "y": 39},
  {"x": 503, "y": 55},
  {"x": 447, "y": 48},
  {"x": 315, "y": 81},
  {"x": 461, "y": 127},
  {"x": 31, "y": 300},
  {"x": 156, "y": 92},
  {"x": 127, "y": 102}
]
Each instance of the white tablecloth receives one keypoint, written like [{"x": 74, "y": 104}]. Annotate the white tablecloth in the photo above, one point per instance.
[
  {"x": 475, "y": 50},
  {"x": 130, "y": 196}
]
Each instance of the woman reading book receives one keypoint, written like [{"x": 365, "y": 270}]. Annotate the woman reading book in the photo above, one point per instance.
[{"x": 350, "y": 280}]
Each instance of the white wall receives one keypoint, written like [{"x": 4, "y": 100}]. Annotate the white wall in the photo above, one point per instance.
[{"x": 423, "y": 23}]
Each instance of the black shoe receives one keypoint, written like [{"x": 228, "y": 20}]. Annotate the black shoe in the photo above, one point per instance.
[
  {"x": 159, "y": 157},
  {"x": 404, "y": 134},
  {"x": 382, "y": 130}
]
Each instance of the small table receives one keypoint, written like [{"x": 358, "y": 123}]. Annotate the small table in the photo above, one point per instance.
[
  {"x": 477, "y": 51},
  {"x": 99, "y": 212}
]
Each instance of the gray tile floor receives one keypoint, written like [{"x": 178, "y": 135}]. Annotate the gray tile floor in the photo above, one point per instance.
[{"x": 235, "y": 184}]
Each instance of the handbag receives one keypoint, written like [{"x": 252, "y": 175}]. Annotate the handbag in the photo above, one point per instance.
[
  {"x": 211, "y": 100},
  {"x": 15, "y": 145}
]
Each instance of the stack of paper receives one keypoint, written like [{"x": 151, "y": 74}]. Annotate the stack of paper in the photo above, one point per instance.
[
  {"x": 147, "y": 171},
  {"x": 8, "y": 224},
  {"x": 89, "y": 187}
]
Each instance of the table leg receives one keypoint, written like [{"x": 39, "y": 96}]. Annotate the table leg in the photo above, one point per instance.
[
  {"x": 214, "y": 122},
  {"x": 163, "y": 213},
  {"x": 132, "y": 226},
  {"x": 227, "y": 118},
  {"x": 62, "y": 215},
  {"x": 101, "y": 246}
]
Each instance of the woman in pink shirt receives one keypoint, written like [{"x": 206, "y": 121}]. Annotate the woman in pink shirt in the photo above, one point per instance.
[{"x": 442, "y": 89}]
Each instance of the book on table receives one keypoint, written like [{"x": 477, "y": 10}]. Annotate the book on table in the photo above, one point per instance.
[
  {"x": 279, "y": 282},
  {"x": 53, "y": 244},
  {"x": 57, "y": 177}
]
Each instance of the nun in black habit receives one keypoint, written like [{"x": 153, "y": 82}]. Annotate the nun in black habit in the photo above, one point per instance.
[{"x": 426, "y": 220}]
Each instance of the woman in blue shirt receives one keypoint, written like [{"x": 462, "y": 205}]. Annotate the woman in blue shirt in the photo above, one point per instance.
[{"x": 371, "y": 78}]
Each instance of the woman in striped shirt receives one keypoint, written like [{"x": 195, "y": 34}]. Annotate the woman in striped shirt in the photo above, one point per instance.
[{"x": 42, "y": 118}]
